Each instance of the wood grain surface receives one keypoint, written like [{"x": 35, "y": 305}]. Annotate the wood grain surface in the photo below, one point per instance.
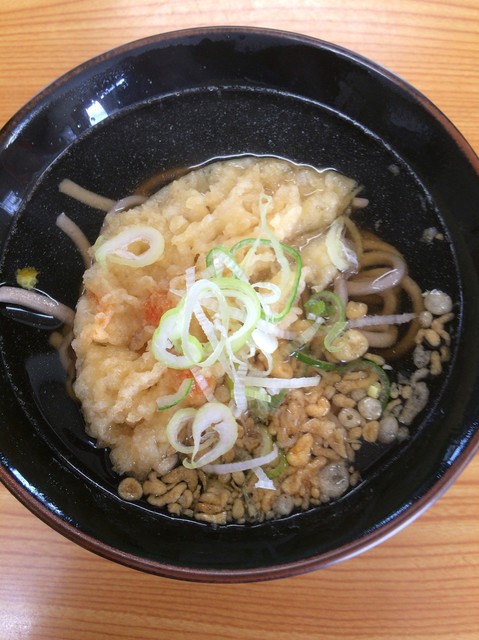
[{"x": 423, "y": 583}]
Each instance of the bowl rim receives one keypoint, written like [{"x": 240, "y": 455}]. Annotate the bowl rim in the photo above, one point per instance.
[
  {"x": 194, "y": 32},
  {"x": 349, "y": 550},
  {"x": 236, "y": 576}
]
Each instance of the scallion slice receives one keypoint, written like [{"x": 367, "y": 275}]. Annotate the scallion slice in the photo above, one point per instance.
[
  {"x": 361, "y": 365},
  {"x": 166, "y": 335},
  {"x": 328, "y": 305},
  {"x": 243, "y": 292},
  {"x": 335, "y": 332},
  {"x": 292, "y": 289},
  {"x": 213, "y": 418},
  {"x": 219, "y": 257},
  {"x": 313, "y": 362},
  {"x": 166, "y": 402},
  {"x": 176, "y": 424},
  {"x": 242, "y": 465},
  {"x": 340, "y": 254},
  {"x": 282, "y": 383},
  {"x": 279, "y": 468},
  {"x": 263, "y": 481},
  {"x": 117, "y": 249}
]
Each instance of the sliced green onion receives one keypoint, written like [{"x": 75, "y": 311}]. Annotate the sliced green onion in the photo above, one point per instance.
[
  {"x": 244, "y": 292},
  {"x": 257, "y": 393},
  {"x": 117, "y": 248},
  {"x": 217, "y": 344},
  {"x": 264, "y": 201},
  {"x": 339, "y": 253},
  {"x": 239, "y": 392},
  {"x": 266, "y": 447},
  {"x": 261, "y": 404},
  {"x": 179, "y": 420},
  {"x": 335, "y": 332},
  {"x": 212, "y": 420},
  {"x": 264, "y": 205},
  {"x": 219, "y": 257},
  {"x": 190, "y": 276},
  {"x": 199, "y": 290},
  {"x": 360, "y": 365},
  {"x": 275, "y": 294},
  {"x": 277, "y": 398},
  {"x": 202, "y": 382},
  {"x": 166, "y": 402},
  {"x": 225, "y": 296},
  {"x": 260, "y": 408},
  {"x": 282, "y": 383},
  {"x": 278, "y": 469},
  {"x": 270, "y": 315},
  {"x": 263, "y": 481},
  {"x": 304, "y": 337},
  {"x": 316, "y": 307},
  {"x": 166, "y": 335},
  {"x": 266, "y": 441},
  {"x": 326, "y": 304},
  {"x": 242, "y": 465},
  {"x": 370, "y": 321},
  {"x": 264, "y": 341},
  {"x": 251, "y": 253},
  {"x": 313, "y": 362},
  {"x": 218, "y": 418}
]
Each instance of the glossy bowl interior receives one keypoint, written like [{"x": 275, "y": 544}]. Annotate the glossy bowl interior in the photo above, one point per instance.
[{"x": 147, "y": 112}]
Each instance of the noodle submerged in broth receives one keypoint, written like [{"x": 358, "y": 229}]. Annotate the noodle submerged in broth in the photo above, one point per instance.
[{"x": 236, "y": 339}]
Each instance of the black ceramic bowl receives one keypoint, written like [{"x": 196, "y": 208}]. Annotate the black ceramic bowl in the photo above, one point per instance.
[{"x": 155, "y": 108}]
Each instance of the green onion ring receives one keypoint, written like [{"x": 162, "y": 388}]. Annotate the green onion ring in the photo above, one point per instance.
[
  {"x": 166, "y": 335},
  {"x": 290, "y": 251},
  {"x": 313, "y": 362},
  {"x": 116, "y": 249},
  {"x": 360, "y": 365},
  {"x": 336, "y": 331},
  {"x": 225, "y": 258},
  {"x": 335, "y": 311},
  {"x": 166, "y": 402},
  {"x": 278, "y": 469}
]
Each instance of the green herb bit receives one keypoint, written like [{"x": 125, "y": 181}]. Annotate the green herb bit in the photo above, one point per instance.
[{"x": 280, "y": 468}]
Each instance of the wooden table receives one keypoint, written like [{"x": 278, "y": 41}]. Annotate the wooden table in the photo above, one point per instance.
[{"x": 422, "y": 583}]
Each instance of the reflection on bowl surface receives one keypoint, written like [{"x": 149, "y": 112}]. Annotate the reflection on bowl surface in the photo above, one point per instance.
[{"x": 144, "y": 114}]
